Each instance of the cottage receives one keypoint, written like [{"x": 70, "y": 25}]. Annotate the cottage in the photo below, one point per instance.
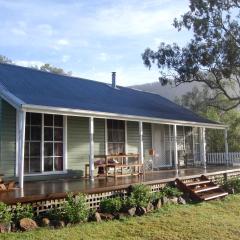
[{"x": 60, "y": 127}]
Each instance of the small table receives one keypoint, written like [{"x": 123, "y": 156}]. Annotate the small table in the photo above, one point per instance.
[{"x": 136, "y": 167}]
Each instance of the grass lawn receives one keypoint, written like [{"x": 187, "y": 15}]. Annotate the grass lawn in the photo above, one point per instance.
[{"x": 213, "y": 220}]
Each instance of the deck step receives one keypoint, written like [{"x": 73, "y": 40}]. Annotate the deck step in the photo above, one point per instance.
[
  {"x": 205, "y": 189},
  {"x": 212, "y": 196},
  {"x": 197, "y": 183},
  {"x": 201, "y": 189}
]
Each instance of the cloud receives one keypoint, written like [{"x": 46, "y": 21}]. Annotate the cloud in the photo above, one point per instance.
[
  {"x": 103, "y": 57},
  {"x": 62, "y": 42},
  {"x": 65, "y": 58},
  {"x": 26, "y": 63}
]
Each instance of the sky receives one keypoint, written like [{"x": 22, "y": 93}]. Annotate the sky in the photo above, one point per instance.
[{"x": 91, "y": 38}]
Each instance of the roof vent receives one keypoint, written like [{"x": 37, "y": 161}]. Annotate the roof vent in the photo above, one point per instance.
[{"x": 114, "y": 79}]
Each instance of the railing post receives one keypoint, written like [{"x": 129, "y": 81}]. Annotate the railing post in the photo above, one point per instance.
[{"x": 226, "y": 145}]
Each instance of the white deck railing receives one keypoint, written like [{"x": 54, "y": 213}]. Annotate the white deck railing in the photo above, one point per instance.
[{"x": 233, "y": 158}]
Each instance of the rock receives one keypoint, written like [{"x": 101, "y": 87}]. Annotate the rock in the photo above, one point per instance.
[
  {"x": 96, "y": 217},
  {"x": 58, "y": 223},
  {"x": 157, "y": 204},
  {"x": 141, "y": 211},
  {"x": 173, "y": 200},
  {"x": 5, "y": 227},
  {"x": 121, "y": 215},
  {"x": 106, "y": 216},
  {"x": 181, "y": 201},
  {"x": 165, "y": 200},
  {"x": 27, "y": 224},
  {"x": 45, "y": 222},
  {"x": 150, "y": 207},
  {"x": 131, "y": 211}
]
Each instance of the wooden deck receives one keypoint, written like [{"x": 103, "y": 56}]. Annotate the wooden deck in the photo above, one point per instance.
[{"x": 53, "y": 189}]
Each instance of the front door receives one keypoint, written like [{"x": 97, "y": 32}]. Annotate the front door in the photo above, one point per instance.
[{"x": 161, "y": 146}]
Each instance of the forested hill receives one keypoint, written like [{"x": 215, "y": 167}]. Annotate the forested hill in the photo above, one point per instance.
[{"x": 170, "y": 92}]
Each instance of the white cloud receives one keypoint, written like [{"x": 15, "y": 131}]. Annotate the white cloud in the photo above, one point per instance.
[
  {"x": 103, "y": 57},
  {"x": 62, "y": 42},
  {"x": 45, "y": 29},
  {"x": 26, "y": 63},
  {"x": 18, "y": 31},
  {"x": 65, "y": 58}
]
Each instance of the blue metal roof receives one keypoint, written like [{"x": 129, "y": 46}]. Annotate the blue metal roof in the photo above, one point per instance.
[{"x": 48, "y": 89}]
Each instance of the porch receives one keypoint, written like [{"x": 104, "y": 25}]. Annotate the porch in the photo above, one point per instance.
[{"x": 48, "y": 191}]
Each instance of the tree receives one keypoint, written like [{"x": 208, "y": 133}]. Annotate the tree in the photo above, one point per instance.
[
  {"x": 197, "y": 101},
  {"x": 49, "y": 68},
  {"x": 45, "y": 67},
  {"x": 212, "y": 55},
  {"x": 4, "y": 59}
]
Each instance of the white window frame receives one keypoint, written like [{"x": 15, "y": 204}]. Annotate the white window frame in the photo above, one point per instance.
[{"x": 42, "y": 150}]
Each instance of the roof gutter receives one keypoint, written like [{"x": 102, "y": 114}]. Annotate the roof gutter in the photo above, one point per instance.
[
  {"x": 88, "y": 113},
  {"x": 10, "y": 98}
]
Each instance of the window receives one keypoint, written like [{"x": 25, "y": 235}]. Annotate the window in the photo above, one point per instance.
[
  {"x": 53, "y": 143},
  {"x": 116, "y": 136},
  {"x": 32, "y": 159},
  {"x": 43, "y": 142}
]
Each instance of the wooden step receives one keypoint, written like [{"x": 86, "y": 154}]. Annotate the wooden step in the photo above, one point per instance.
[
  {"x": 212, "y": 196},
  {"x": 197, "y": 183},
  {"x": 205, "y": 189}
]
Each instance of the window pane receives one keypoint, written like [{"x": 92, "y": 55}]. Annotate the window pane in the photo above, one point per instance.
[
  {"x": 26, "y": 165},
  {"x": 35, "y": 165},
  {"x": 58, "y": 149},
  {"x": 35, "y": 149},
  {"x": 58, "y": 121},
  {"x": 27, "y": 133},
  {"x": 36, "y": 119},
  {"x": 58, "y": 163},
  {"x": 48, "y": 134},
  {"x": 48, "y": 164},
  {"x": 58, "y": 134},
  {"x": 48, "y": 120},
  {"x": 48, "y": 149},
  {"x": 36, "y": 133},
  {"x": 26, "y": 149},
  {"x": 27, "y": 118}
]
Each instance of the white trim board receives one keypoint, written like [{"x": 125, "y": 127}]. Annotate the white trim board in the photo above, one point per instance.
[{"x": 95, "y": 114}]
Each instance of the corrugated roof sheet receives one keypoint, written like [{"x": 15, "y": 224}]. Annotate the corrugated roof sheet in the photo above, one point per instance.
[{"x": 48, "y": 89}]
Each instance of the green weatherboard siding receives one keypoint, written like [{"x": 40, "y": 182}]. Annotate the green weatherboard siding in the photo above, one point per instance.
[{"x": 8, "y": 139}]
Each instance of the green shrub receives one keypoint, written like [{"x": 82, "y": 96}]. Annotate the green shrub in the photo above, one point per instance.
[
  {"x": 74, "y": 210},
  {"x": 129, "y": 202},
  {"x": 157, "y": 195},
  {"x": 22, "y": 211},
  {"x": 233, "y": 183},
  {"x": 5, "y": 214},
  {"x": 111, "y": 205},
  {"x": 140, "y": 195},
  {"x": 171, "y": 192}
]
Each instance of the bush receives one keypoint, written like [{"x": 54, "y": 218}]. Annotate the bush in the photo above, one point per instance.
[
  {"x": 22, "y": 211},
  {"x": 171, "y": 192},
  {"x": 233, "y": 183},
  {"x": 141, "y": 195},
  {"x": 74, "y": 210},
  {"x": 129, "y": 202},
  {"x": 111, "y": 205},
  {"x": 157, "y": 195},
  {"x": 5, "y": 214}
]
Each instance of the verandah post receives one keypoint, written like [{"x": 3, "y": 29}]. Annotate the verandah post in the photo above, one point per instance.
[
  {"x": 175, "y": 148},
  {"x": 203, "y": 148},
  {"x": 226, "y": 146},
  {"x": 21, "y": 145},
  {"x": 91, "y": 148},
  {"x": 141, "y": 142}
]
